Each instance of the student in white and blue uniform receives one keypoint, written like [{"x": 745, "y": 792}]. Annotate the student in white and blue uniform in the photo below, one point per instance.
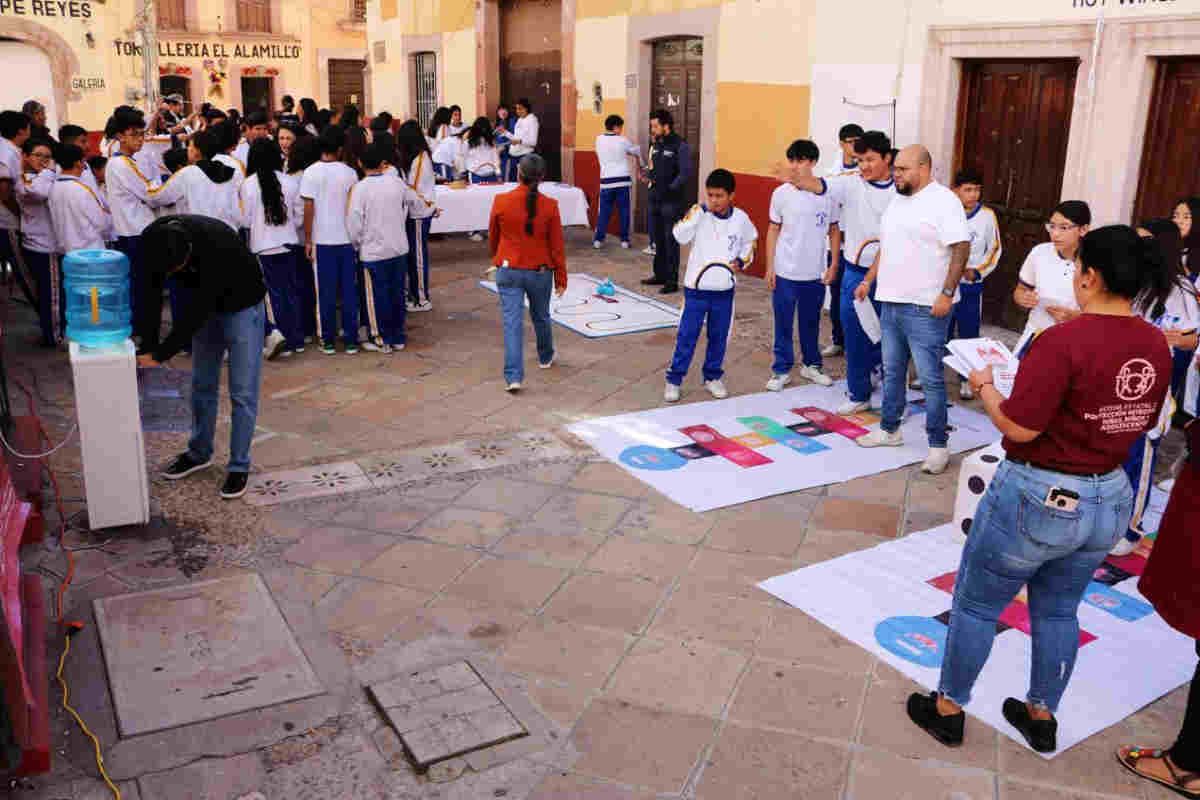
[
  {"x": 800, "y": 223},
  {"x": 613, "y": 151},
  {"x": 985, "y": 255},
  {"x": 846, "y": 164},
  {"x": 416, "y": 167},
  {"x": 504, "y": 126}
]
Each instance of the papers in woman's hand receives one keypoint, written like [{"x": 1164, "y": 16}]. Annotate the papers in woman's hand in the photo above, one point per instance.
[{"x": 968, "y": 355}]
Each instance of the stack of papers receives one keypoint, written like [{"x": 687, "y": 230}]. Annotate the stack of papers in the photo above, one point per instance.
[{"x": 968, "y": 355}]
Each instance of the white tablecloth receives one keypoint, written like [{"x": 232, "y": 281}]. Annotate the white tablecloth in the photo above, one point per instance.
[{"x": 470, "y": 209}]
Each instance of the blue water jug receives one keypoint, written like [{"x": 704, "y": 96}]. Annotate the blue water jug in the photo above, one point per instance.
[{"x": 97, "y": 287}]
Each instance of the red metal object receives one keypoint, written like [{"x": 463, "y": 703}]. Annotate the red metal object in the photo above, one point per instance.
[{"x": 35, "y": 756}]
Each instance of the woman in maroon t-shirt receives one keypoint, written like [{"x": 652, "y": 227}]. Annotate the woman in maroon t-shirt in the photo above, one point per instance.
[{"x": 1085, "y": 390}]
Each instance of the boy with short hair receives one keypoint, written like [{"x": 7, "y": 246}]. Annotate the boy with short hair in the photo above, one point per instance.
[
  {"x": 613, "y": 151},
  {"x": 325, "y": 187},
  {"x": 985, "y": 255},
  {"x": 379, "y": 206},
  {"x": 723, "y": 239},
  {"x": 800, "y": 223},
  {"x": 37, "y": 235}
]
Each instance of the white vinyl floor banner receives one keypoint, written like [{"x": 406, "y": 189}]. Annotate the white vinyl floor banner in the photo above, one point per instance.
[
  {"x": 724, "y": 452},
  {"x": 894, "y": 600},
  {"x": 591, "y": 314}
]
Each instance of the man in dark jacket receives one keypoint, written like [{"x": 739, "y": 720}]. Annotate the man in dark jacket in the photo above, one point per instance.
[
  {"x": 667, "y": 178},
  {"x": 224, "y": 313}
]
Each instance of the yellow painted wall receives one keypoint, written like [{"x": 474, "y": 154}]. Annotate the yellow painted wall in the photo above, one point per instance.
[
  {"x": 756, "y": 122},
  {"x": 768, "y": 41},
  {"x": 589, "y": 124},
  {"x": 600, "y": 56},
  {"x": 458, "y": 74}
]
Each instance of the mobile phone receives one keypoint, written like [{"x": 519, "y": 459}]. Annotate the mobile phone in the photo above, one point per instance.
[{"x": 1062, "y": 499}]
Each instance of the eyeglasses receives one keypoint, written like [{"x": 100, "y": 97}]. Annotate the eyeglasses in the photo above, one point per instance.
[
  {"x": 1051, "y": 228},
  {"x": 1182, "y": 215},
  {"x": 39, "y": 155}
]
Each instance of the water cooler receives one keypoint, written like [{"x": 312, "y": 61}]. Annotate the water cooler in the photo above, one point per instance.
[{"x": 104, "y": 366}]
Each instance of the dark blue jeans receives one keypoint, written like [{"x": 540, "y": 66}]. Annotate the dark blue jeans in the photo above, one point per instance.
[
  {"x": 306, "y": 291},
  {"x": 241, "y": 333},
  {"x": 515, "y": 286},
  {"x": 610, "y": 198},
  {"x": 802, "y": 301},
  {"x": 1015, "y": 541},
  {"x": 281, "y": 273},
  {"x": 336, "y": 267},
  {"x": 139, "y": 294},
  {"x": 385, "y": 298},
  {"x": 418, "y": 258},
  {"x": 44, "y": 268},
  {"x": 663, "y": 216},
  {"x": 911, "y": 330},
  {"x": 700, "y": 305},
  {"x": 835, "y": 306},
  {"x": 965, "y": 319},
  {"x": 861, "y": 355}
]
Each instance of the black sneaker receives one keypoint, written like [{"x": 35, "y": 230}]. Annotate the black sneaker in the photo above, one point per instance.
[
  {"x": 183, "y": 466},
  {"x": 235, "y": 485},
  {"x": 1042, "y": 734},
  {"x": 922, "y": 709},
  {"x": 652, "y": 281}
]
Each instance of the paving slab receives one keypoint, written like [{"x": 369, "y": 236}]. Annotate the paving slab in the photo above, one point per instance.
[{"x": 196, "y": 652}]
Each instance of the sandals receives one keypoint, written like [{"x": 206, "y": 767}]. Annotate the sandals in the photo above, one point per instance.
[{"x": 1129, "y": 757}]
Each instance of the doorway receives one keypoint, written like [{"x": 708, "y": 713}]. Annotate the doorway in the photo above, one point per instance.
[
  {"x": 178, "y": 84},
  {"x": 345, "y": 83},
  {"x": 1169, "y": 168},
  {"x": 1013, "y": 121},
  {"x": 257, "y": 95},
  {"x": 531, "y": 67},
  {"x": 676, "y": 75}
]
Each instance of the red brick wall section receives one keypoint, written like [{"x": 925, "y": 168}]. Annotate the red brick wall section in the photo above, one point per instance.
[
  {"x": 753, "y": 195},
  {"x": 587, "y": 177}
]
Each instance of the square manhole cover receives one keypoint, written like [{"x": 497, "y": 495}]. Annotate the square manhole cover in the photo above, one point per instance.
[
  {"x": 199, "y": 651},
  {"x": 445, "y": 712}
]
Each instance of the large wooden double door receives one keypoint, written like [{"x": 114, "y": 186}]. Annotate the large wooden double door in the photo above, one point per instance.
[
  {"x": 1170, "y": 169},
  {"x": 531, "y": 67},
  {"x": 1013, "y": 122}
]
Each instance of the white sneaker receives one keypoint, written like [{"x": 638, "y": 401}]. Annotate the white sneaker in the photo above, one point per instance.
[
  {"x": 649, "y": 250},
  {"x": 937, "y": 460},
  {"x": 287, "y": 354},
  {"x": 515, "y": 386},
  {"x": 477, "y": 237},
  {"x": 671, "y": 393},
  {"x": 424, "y": 305},
  {"x": 547, "y": 365},
  {"x": 371, "y": 347},
  {"x": 396, "y": 348},
  {"x": 880, "y": 438},
  {"x": 717, "y": 389},
  {"x": 624, "y": 245},
  {"x": 597, "y": 245},
  {"x": 275, "y": 345},
  {"x": 308, "y": 340},
  {"x": 777, "y": 382},
  {"x": 851, "y": 407},
  {"x": 831, "y": 350},
  {"x": 410, "y": 306},
  {"x": 815, "y": 375},
  {"x": 1124, "y": 546},
  {"x": 965, "y": 392}
]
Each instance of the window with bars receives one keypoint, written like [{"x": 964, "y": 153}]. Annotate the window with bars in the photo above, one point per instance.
[
  {"x": 425, "y": 86},
  {"x": 254, "y": 16},
  {"x": 172, "y": 14}
]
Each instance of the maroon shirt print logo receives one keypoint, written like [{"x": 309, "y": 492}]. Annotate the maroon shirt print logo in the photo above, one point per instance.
[{"x": 1135, "y": 379}]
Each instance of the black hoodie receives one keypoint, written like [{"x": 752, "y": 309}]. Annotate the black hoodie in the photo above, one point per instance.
[{"x": 216, "y": 171}]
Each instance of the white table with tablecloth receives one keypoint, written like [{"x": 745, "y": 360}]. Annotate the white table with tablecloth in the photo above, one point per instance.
[{"x": 470, "y": 209}]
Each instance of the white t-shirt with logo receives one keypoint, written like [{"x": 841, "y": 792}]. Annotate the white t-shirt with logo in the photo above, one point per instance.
[
  {"x": 804, "y": 219},
  {"x": 1054, "y": 279},
  {"x": 328, "y": 185},
  {"x": 862, "y": 204},
  {"x": 915, "y": 235}
]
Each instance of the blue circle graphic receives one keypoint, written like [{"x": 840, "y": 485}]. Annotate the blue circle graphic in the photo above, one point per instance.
[
  {"x": 921, "y": 640},
  {"x": 643, "y": 456}
]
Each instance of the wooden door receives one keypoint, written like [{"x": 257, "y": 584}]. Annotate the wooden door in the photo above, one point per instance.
[
  {"x": 1170, "y": 170},
  {"x": 345, "y": 83},
  {"x": 1014, "y": 118},
  {"x": 676, "y": 76},
  {"x": 531, "y": 67},
  {"x": 254, "y": 16},
  {"x": 177, "y": 84}
]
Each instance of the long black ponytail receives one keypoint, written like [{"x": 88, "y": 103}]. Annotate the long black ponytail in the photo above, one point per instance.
[
  {"x": 1133, "y": 267},
  {"x": 265, "y": 160},
  {"x": 530, "y": 172}
]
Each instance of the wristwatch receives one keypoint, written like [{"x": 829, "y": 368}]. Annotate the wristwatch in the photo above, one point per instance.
[{"x": 948, "y": 293}]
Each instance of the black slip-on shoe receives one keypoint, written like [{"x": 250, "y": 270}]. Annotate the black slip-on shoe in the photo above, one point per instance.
[
  {"x": 922, "y": 709},
  {"x": 235, "y": 485},
  {"x": 183, "y": 466},
  {"x": 1042, "y": 734}
]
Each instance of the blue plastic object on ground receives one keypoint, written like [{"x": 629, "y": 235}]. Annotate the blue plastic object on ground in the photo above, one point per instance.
[{"x": 607, "y": 289}]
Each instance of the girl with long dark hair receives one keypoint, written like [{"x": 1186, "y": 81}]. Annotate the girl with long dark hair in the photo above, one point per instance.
[
  {"x": 504, "y": 126},
  {"x": 483, "y": 159},
  {"x": 439, "y": 127},
  {"x": 416, "y": 167},
  {"x": 1186, "y": 211},
  {"x": 270, "y": 203},
  {"x": 304, "y": 154},
  {"x": 308, "y": 115},
  {"x": 353, "y": 146}
]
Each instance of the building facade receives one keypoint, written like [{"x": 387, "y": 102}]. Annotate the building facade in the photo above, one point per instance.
[{"x": 83, "y": 57}]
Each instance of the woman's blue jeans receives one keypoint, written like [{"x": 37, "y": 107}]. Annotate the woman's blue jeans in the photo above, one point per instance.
[
  {"x": 515, "y": 285},
  {"x": 1015, "y": 541}
]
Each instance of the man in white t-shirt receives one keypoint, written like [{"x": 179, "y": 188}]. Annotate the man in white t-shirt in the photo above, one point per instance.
[
  {"x": 800, "y": 223},
  {"x": 923, "y": 249}
]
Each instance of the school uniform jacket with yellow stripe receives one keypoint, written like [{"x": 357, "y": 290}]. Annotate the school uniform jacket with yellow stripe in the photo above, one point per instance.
[{"x": 985, "y": 241}]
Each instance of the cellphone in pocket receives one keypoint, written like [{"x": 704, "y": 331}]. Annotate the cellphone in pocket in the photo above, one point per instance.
[{"x": 1062, "y": 499}]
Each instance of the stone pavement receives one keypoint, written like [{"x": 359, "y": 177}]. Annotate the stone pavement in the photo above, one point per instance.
[{"x": 622, "y": 630}]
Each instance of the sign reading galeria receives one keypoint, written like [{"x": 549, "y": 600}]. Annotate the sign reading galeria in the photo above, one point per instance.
[{"x": 211, "y": 50}]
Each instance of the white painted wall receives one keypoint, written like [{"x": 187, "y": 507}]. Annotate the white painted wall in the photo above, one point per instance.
[{"x": 28, "y": 77}]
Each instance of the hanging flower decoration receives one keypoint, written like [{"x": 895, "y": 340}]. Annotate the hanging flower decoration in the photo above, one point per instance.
[
  {"x": 272, "y": 72},
  {"x": 249, "y": 70},
  {"x": 216, "y": 77}
]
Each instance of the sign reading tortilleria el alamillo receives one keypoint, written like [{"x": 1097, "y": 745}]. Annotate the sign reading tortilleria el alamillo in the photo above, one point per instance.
[{"x": 212, "y": 50}]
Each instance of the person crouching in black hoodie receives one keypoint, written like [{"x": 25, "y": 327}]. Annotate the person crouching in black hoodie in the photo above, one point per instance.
[{"x": 225, "y": 313}]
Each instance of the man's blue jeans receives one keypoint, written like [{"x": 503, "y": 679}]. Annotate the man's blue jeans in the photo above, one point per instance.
[
  {"x": 701, "y": 306},
  {"x": 911, "y": 330},
  {"x": 862, "y": 357},
  {"x": 610, "y": 198},
  {"x": 385, "y": 298},
  {"x": 241, "y": 333},
  {"x": 1017, "y": 541},
  {"x": 515, "y": 285},
  {"x": 800, "y": 301}
]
